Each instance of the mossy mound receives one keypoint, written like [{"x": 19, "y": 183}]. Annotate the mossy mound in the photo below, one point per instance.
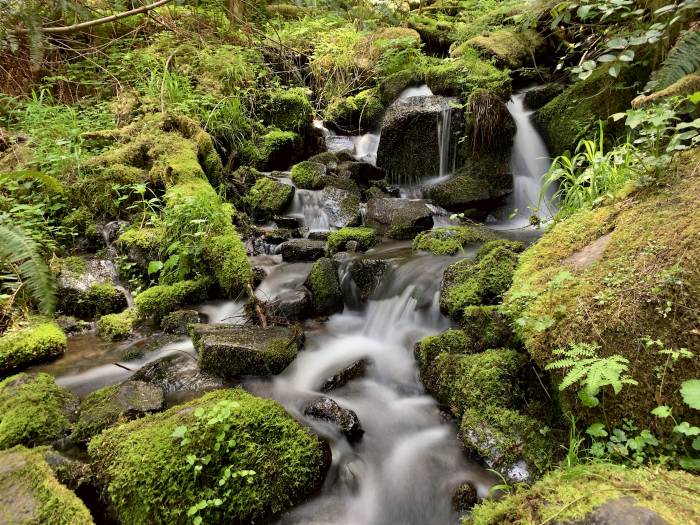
[
  {"x": 460, "y": 76},
  {"x": 157, "y": 301},
  {"x": 309, "y": 175},
  {"x": 570, "y": 495},
  {"x": 326, "y": 294},
  {"x": 448, "y": 240},
  {"x": 29, "y": 492},
  {"x": 267, "y": 462},
  {"x": 364, "y": 237},
  {"x": 38, "y": 342},
  {"x": 451, "y": 341},
  {"x": 288, "y": 110},
  {"x": 34, "y": 410},
  {"x": 613, "y": 276},
  {"x": 141, "y": 245},
  {"x": 98, "y": 299},
  {"x": 354, "y": 114},
  {"x": 267, "y": 198},
  {"x": 117, "y": 327},
  {"x": 508, "y": 48},
  {"x": 229, "y": 263}
]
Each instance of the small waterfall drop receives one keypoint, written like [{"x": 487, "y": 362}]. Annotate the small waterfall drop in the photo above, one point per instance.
[
  {"x": 308, "y": 204},
  {"x": 415, "y": 91},
  {"x": 447, "y": 153}
]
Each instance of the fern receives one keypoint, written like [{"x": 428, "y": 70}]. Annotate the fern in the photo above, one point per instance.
[
  {"x": 20, "y": 252},
  {"x": 683, "y": 60},
  {"x": 593, "y": 372}
]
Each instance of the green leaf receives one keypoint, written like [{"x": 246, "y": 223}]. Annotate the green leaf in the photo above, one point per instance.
[
  {"x": 689, "y": 463},
  {"x": 607, "y": 58},
  {"x": 695, "y": 97},
  {"x": 662, "y": 411},
  {"x": 617, "y": 43},
  {"x": 154, "y": 267},
  {"x": 587, "y": 399},
  {"x": 690, "y": 392},
  {"x": 614, "y": 70},
  {"x": 696, "y": 443},
  {"x": 179, "y": 432},
  {"x": 596, "y": 430},
  {"x": 685, "y": 429}
]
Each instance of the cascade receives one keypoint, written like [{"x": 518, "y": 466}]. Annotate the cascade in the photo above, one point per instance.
[{"x": 308, "y": 204}]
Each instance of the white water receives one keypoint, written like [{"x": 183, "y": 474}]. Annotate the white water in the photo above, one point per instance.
[
  {"x": 415, "y": 91},
  {"x": 308, "y": 204}
]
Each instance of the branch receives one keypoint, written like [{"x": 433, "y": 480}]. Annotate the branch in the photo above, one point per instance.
[{"x": 97, "y": 21}]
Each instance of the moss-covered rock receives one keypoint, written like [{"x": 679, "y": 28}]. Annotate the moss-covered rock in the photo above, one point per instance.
[
  {"x": 575, "y": 286},
  {"x": 86, "y": 288},
  {"x": 288, "y": 109},
  {"x": 309, "y": 175},
  {"x": 29, "y": 492},
  {"x": 367, "y": 274},
  {"x": 267, "y": 198},
  {"x": 117, "y": 327},
  {"x": 487, "y": 327},
  {"x": 460, "y": 76},
  {"x": 398, "y": 218},
  {"x": 300, "y": 250},
  {"x": 41, "y": 341},
  {"x": 229, "y": 263},
  {"x": 141, "y": 245},
  {"x": 448, "y": 240},
  {"x": 108, "y": 406},
  {"x": 508, "y": 48},
  {"x": 364, "y": 237},
  {"x": 571, "y": 495},
  {"x": 279, "y": 149},
  {"x": 34, "y": 410},
  {"x": 178, "y": 321},
  {"x": 451, "y": 341},
  {"x": 157, "y": 301},
  {"x": 232, "y": 350},
  {"x": 354, "y": 114},
  {"x": 326, "y": 294},
  {"x": 267, "y": 460},
  {"x": 392, "y": 86}
]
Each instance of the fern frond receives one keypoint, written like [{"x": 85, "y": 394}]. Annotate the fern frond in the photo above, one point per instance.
[
  {"x": 573, "y": 377},
  {"x": 683, "y": 60},
  {"x": 17, "y": 248}
]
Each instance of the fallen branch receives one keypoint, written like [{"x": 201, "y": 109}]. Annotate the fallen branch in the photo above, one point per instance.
[{"x": 256, "y": 304}]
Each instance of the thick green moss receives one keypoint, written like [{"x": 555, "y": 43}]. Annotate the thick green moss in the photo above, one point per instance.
[
  {"x": 150, "y": 480},
  {"x": 451, "y": 342},
  {"x": 289, "y": 109},
  {"x": 326, "y": 295},
  {"x": 34, "y": 410},
  {"x": 229, "y": 262},
  {"x": 116, "y": 327},
  {"x": 448, "y": 240},
  {"x": 31, "y": 494},
  {"x": 160, "y": 300},
  {"x": 267, "y": 198},
  {"x": 392, "y": 86},
  {"x": 36, "y": 343},
  {"x": 460, "y": 76},
  {"x": 568, "y": 495},
  {"x": 308, "y": 175},
  {"x": 354, "y": 113},
  {"x": 364, "y": 237},
  {"x": 98, "y": 299},
  {"x": 511, "y": 49},
  {"x": 487, "y": 327},
  {"x": 148, "y": 239},
  {"x": 275, "y": 150}
]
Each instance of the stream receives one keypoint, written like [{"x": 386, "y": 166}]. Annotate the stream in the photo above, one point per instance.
[{"x": 409, "y": 461}]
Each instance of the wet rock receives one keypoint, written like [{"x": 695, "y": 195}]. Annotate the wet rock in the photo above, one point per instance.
[
  {"x": 177, "y": 373},
  {"x": 318, "y": 235},
  {"x": 325, "y": 409},
  {"x": 232, "y": 351},
  {"x": 178, "y": 321},
  {"x": 410, "y": 147},
  {"x": 300, "y": 250},
  {"x": 72, "y": 325},
  {"x": 125, "y": 401},
  {"x": 464, "y": 497},
  {"x": 267, "y": 198},
  {"x": 622, "y": 511},
  {"x": 361, "y": 173},
  {"x": 276, "y": 236},
  {"x": 259, "y": 274},
  {"x": 323, "y": 282},
  {"x": 367, "y": 274},
  {"x": 289, "y": 305},
  {"x": 353, "y": 371},
  {"x": 537, "y": 97},
  {"x": 86, "y": 288},
  {"x": 398, "y": 218},
  {"x": 112, "y": 230},
  {"x": 341, "y": 206},
  {"x": 289, "y": 223}
]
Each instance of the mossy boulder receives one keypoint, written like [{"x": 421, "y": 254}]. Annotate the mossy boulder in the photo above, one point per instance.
[
  {"x": 391, "y": 87},
  {"x": 267, "y": 460},
  {"x": 177, "y": 373},
  {"x": 29, "y": 492},
  {"x": 576, "y": 495},
  {"x": 354, "y": 114},
  {"x": 487, "y": 327},
  {"x": 38, "y": 342},
  {"x": 228, "y": 262},
  {"x": 451, "y": 341},
  {"x": 309, "y": 175},
  {"x": 274, "y": 150},
  {"x": 574, "y": 286},
  {"x": 538, "y": 96},
  {"x": 506, "y": 47},
  {"x": 268, "y": 197},
  {"x": 288, "y": 110},
  {"x": 231, "y": 351},
  {"x": 141, "y": 245},
  {"x": 117, "y": 327},
  {"x": 448, "y": 240},
  {"x": 160, "y": 300},
  {"x": 367, "y": 274},
  {"x": 114, "y": 404},
  {"x": 178, "y": 321},
  {"x": 398, "y": 218},
  {"x": 365, "y": 238},
  {"x": 457, "y": 77},
  {"x": 86, "y": 288},
  {"x": 326, "y": 294},
  {"x": 341, "y": 206},
  {"x": 34, "y": 410},
  {"x": 300, "y": 250}
]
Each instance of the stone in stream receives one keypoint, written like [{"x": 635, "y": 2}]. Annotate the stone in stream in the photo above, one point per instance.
[
  {"x": 367, "y": 274},
  {"x": 398, "y": 218},
  {"x": 177, "y": 322},
  {"x": 232, "y": 351},
  {"x": 361, "y": 173},
  {"x": 301, "y": 250},
  {"x": 289, "y": 305},
  {"x": 108, "y": 406},
  {"x": 326, "y": 294},
  {"x": 289, "y": 223},
  {"x": 177, "y": 373},
  {"x": 319, "y": 235},
  {"x": 622, "y": 511},
  {"x": 325, "y": 409},
  {"x": 464, "y": 497},
  {"x": 353, "y": 371},
  {"x": 341, "y": 206}
]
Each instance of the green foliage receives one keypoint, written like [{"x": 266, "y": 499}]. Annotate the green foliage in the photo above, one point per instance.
[
  {"x": 448, "y": 240},
  {"x": 683, "y": 60},
  {"x": 585, "y": 366},
  {"x": 115, "y": 327},
  {"x": 36, "y": 343},
  {"x": 364, "y": 237},
  {"x": 308, "y": 175}
]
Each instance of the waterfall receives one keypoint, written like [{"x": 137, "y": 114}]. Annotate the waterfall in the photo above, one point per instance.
[
  {"x": 308, "y": 204},
  {"x": 447, "y": 157}
]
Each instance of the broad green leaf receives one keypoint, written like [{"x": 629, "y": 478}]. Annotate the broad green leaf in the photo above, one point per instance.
[
  {"x": 690, "y": 392},
  {"x": 685, "y": 429},
  {"x": 607, "y": 58},
  {"x": 154, "y": 267},
  {"x": 662, "y": 411},
  {"x": 695, "y": 97},
  {"x": 587, "y": 399},
  {"x": 596, "y": 430},
  {"x": 689, "y": 463},
  {"x": 614, "y": 70},
  {"x": 179, "y": 432},
  {"x": 617, "y": 43}
]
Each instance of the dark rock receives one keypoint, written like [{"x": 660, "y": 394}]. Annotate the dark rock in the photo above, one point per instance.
[
  {"x": 288, "y": 223},
  {"x": 237, "y": 350},
  {"x": 178, "y": 321},
  {"x": 259, "y": 274},
  {"x": 289, "y": 305},
  {"x": 464, "y": 497},
  {"x": 276, "y": 236},
  {"x": 538, "y": 96},
  {"x": 409, "y": 149},
  {"x": 324, "y": 408},
  {"x": 398, "y": 218},
  {"x": 177, "y": 373},
  {"x": 361, "y": 173},
  {"x": 622, "y": 511},
  {"x": 367, "y": 274},
  {"x": 86, "y": 288},
  {"x": 326, "y": 294},
  {"x": 353, "y": 371},
  {"x": 318, "y": 235},
  {"x": 112, "y": 230},
  {"x": 72, "y": 325},
  {"x": 300, "y": 250},
  {"x": 341, "y": 206}
]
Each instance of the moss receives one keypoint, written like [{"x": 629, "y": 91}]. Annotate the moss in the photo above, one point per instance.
[
  {"x": 683, "y": 87},
  {"x": 275, "y": 150},
  {"x": 452, "y": 342},
  {"x": 326, "y": 295},
  {"x": 229, "y": 263},
  {"x": 511, "y": 49},
  {"x": 568, "y": 495},
  {"x": 448, "y": 240},
  {"x": 81, "y": 223},
  {"x": 487, "y": 327},
  {"x": 286, "y": 11},
  {"x": 267, "y": 198},
  {"x": 98, "y": 299},
  {"x": 309, "y": 175},
  {"x": 39, "y": 342},
  {"x": 116, "y": 327},
  {"x": 149, "y": 239},
  {"x": 34, "y": 410},
  {"x": 467, "y": 381},
  {"x": 460, "y": 76},
  {"x": 354, "y": 113},
  {"x": 157, "y": 301},
  {"x": 150, "y": 481},
  {"x": 618, "y": 293},
  {"x": 289, "y": 109},
  {"x": 364, "y": 237},
  {"x": 392, "y": 86},
  {"x": 31, "y": 493}
]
